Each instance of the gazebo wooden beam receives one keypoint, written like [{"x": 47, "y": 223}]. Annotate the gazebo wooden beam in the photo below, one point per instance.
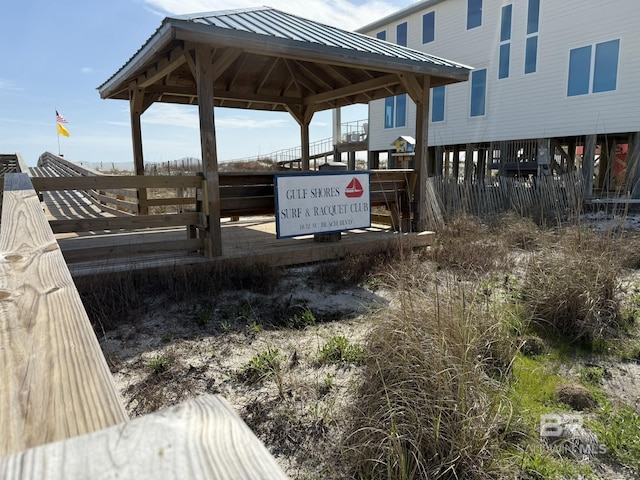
[
  {"x": 223, "y": 95},
  {"x": 265, "y": 74},
  {"x": 380, "y": 82},
  {"x": 136, "y": 108},
  {"x": 303, "y": 116},
  {"x": 205, "y": 73},
  {"x": 422, "y": 153},
  {"x": 161, "y": 69}
]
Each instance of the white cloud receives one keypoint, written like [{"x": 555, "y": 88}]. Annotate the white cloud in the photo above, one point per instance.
[
  {"x": 344, "y": 14},
  {"x": 87, "y": 70},
  {"x": 8, "y": 85},
  {"x": 246, "y": 122},
  {"x": 171, "y": 115},
  {"x": 187, "y": 117}
]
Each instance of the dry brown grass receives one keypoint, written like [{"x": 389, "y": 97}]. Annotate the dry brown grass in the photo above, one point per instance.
[
  {"x": 115, "y": 299},
  {"x": 572, "y": 288},
  {"x": 465, "y": 245},
  {"x": 431, "y": 402}
]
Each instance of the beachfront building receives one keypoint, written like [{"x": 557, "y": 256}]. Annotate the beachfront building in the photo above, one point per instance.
[{"x": 555, "y": 85}]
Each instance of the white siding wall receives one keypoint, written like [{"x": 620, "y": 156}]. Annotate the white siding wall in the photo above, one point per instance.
[{"x": 533, "y": 105}]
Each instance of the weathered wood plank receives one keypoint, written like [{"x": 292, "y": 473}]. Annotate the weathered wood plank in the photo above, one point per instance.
[
  {"x": 131, "y": 207},
  {"x": 130, "y": 223},
  {"x": 55, "y": 380},
  {"x": 105, "y": 182},
  {"x": 160, "y": 202},
  {"x": 75, "y": 255},
  {"x": 203, "y": 438},
  {"x": 205, "y": 75}
]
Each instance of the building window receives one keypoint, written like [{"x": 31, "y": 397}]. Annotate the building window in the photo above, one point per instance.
[
  {"x": 505, "y": 26},
  {"x": 437, "y": 104},
  {"x": 381, "y": 35},
  {"x": 395, "y": 111},
  {"x": 401, "y": 110},
  {"x": 474, "y": 13},
  {"x": 389, "y": 109},
  {"x": 579, "y": 71},
  {"x": 531, "y": 47},
  {"x": 401, "y": 34},
  {"x": 531, "y": 55},
  {"x": 605, "y": 69},
  {"x": 428, "y": 27},
  {"x": 478, "y": 92},
  {"x": 604, "y": 59},
  {"x": 533, "y": 17},
  {"x": 505, "y": 42},
  {"x": 503, "y": 68}
]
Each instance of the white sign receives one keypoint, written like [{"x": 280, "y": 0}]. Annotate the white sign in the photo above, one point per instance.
[{"x": 321, "y": 203}]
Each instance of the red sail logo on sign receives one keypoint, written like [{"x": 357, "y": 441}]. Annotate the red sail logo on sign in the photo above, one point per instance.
[{"x": 354, "y": 189}]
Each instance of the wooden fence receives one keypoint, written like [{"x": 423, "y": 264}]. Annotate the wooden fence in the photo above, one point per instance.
[
  {"x": 60, "y": 412},
  {"x": 555, "y": 197}
]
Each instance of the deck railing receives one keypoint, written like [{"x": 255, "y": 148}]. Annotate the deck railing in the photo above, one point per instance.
[{"x": 60, "y": 411}]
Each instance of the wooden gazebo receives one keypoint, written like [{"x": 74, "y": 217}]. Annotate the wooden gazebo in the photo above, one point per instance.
[{"x": 265, "y": 59}]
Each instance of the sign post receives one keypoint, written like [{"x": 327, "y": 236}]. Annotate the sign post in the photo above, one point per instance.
[{"x": 321, "y": 203}]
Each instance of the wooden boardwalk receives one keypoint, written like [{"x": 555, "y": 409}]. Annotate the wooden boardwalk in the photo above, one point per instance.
[{"x": 250, "y": 239}]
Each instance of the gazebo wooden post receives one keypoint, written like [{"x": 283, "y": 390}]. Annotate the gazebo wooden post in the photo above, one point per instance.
[
  {"x": 304, "y": 139},
  {"x": 204, "y": 79},
  {"x": 303, "y": 117},
  {"x": 136, "y": 102},
  {"x": 422, "y": 154}
]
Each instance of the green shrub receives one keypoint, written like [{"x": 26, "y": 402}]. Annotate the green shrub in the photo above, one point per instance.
[
  {"x": 160, "y": 364},
  {"x": 262, "y": 366},
  {"x": 338, "y": 350}
]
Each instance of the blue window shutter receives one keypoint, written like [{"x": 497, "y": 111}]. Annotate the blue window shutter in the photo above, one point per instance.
[
  {"x": 401, "y": 34},
  {"x": 478, "y": 92},
  {"x": 531, "y": 55},
  {"x": 605, "y": 70},
  {"x": 505, "y": 26},
  {"x": 579, "y": 71},
  {"x": 437, "y": 104},
  {"x": 505, "y": 53},
  {"x": 381, "y": 35},
  {"x": 389, "y": 112},
  {"x": 401, "y": 110},
  {"x": 428, "y": 27}
]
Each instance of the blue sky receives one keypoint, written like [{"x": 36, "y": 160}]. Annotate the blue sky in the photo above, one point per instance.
[{"x": 54, "y": 55}]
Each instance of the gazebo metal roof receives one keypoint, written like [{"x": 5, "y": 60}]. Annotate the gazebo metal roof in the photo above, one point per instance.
[{"x": 266, "y": 59}]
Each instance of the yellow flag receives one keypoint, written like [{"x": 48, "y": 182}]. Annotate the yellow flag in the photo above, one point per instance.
[{"x": 62, "y": 130}]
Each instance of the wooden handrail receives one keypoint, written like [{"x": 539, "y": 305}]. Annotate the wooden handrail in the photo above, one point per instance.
[
  {"x": 60, "y": 411},
  {"x": 50, "y": 362}
]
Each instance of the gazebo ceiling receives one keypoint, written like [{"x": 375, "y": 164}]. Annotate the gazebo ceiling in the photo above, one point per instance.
[{"x": 264, "y": 59}]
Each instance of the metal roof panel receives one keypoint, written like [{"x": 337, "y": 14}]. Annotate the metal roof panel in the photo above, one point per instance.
[
  {"x": 272, "y": 32},
  {"x": 274, "y": 23}
]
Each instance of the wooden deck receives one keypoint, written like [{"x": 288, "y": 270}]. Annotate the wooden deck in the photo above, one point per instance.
[
  {"x": 252, "y": 239},
  {"x": 101, "y": 234}
]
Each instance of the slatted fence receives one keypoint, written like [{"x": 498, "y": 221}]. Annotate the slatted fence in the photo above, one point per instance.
[{"x": 557, "y": 197}]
